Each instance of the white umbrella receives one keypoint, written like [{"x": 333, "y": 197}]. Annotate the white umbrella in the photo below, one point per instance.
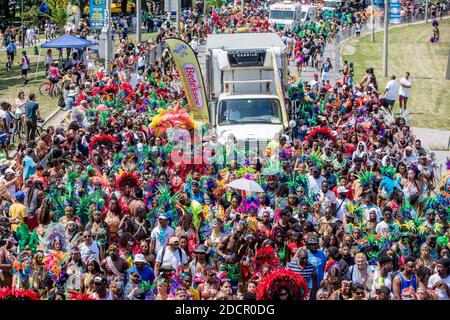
[{"x": 246, "y": 184}]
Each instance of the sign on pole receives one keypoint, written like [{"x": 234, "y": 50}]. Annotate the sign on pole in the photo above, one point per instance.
[
  {"x": 97, "y": 13},
  {"x": 394, "y": 11}
]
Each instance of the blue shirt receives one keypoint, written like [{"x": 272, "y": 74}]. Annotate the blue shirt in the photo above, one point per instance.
[
  {"x": 11, "y": 48},
  {"x": 29, "y": 167},
  {"x": 146, "y": 274},
  {"x": 31, "y": 108},
  {"x": 317, "y": 259}
]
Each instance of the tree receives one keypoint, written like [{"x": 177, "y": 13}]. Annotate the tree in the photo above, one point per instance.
[
  {"x": 123, "y": 6},
  {"x": 58, "y": 12},
  {"x": 32, "y": 15}
]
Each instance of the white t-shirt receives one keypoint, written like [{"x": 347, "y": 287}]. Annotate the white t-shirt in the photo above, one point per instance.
[
  {"x": 392, "y": 90},
  {"x": 3, "y": 114},
  {"x": 141, "y": 62},
  {"x": 88, "y": 252},
  {"x": 161, "y": 236},
  {"x": 376, "y": 281},
  {"x": 315, "y": 184},
  {"x": 48, "y": 59},
  {"x": 330, "y": 196},
  {"x": 403, "y": 90},
  {"x": 382, "y": 227},
  {"x": 341, "y": 208},
  {"x": 172, "y": 257},
  {"x": 441, "y": 293}
]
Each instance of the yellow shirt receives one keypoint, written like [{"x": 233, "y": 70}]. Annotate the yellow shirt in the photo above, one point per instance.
[{"x": 17, "y": 210}]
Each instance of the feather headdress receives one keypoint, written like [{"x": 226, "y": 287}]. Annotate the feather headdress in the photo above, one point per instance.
[
  {"x": 7, "y": 293},
  {"x": 367, "y": 179},
  {"x": 321, "y": 133},
  {"x": 270, "y": 286},
  {"x": 128, "y": 178},
  {"x": 101, "y": 140},
  {"x": 265, "y": 256},
  {"x": 175, "y": 117}
]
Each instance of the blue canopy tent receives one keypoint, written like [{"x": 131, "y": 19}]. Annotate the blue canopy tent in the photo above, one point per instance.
[{"x": 65, "y": 41}]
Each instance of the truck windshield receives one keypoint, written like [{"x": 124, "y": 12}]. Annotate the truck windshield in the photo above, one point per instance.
[
  {"x": 281, "y": 15},
  {"x": 303, "y": 17},
  {"x": 241, "y": 111}
]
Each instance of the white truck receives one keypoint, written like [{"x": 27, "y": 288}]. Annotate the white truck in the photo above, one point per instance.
[
  {"x": 285, "y": 15},
  {"x": 245, "y": 77},
  {"x": 308, "y": 14}
]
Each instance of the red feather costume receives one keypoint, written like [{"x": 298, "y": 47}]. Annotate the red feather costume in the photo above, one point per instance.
[
  {"x": 270, "y": 286},
  {"x": 321, "y": 133}
]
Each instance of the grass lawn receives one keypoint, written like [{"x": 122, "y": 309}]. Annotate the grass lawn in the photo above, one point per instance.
[
  {"x": 410, "y": 50},
  {"x": 11, "y": 83}
]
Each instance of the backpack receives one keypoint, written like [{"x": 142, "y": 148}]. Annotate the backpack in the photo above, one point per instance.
[
  {"x": 326, "y": 67},
  {"x": 10, "y": 49},
  {"x": 61, "y": 102}
]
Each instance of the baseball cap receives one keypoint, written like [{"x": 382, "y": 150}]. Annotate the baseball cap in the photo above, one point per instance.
[
  {"x": 342, "y": 189},
  {"x": 139, "y": 258},
  {"x": 174, "y": 240},
  {"x": 139, "y": 294},
  {"x": 312, "y": 240},
  {"x": 162, "y": 216},
  {"x": 201, "y": 249},
  {"x": 20, "y": 195},
  {"x": 100, "y": 280}
]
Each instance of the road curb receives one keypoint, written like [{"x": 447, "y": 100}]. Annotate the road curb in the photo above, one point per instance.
[{"x": 52, "y": 115}]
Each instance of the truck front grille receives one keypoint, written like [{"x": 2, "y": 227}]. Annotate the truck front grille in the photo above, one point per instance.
[{"x": 255, "y": 149}]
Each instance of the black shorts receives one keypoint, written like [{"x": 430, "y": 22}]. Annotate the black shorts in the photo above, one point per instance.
[
  {"x": 24, "y": 72},
  {"x": 390, "y": 102},
  {"x": 402, "y": 98},
  {"x": 54, "y": 80},
  {"x": 10, "y": 56}
]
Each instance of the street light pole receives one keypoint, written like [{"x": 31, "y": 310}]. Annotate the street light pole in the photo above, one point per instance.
[
  {"x": 23, "y": 29},
  {"x": 108, "y": 36},
  {"x": 385, "y": 42},
  {"x": 138, "y": 21},
  {"x": 372, "y": 21},
  {"x": 178, "y": 15}
]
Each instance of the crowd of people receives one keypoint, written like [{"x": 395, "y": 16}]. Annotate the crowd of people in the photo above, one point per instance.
[{"x": 99, "y": 208}]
